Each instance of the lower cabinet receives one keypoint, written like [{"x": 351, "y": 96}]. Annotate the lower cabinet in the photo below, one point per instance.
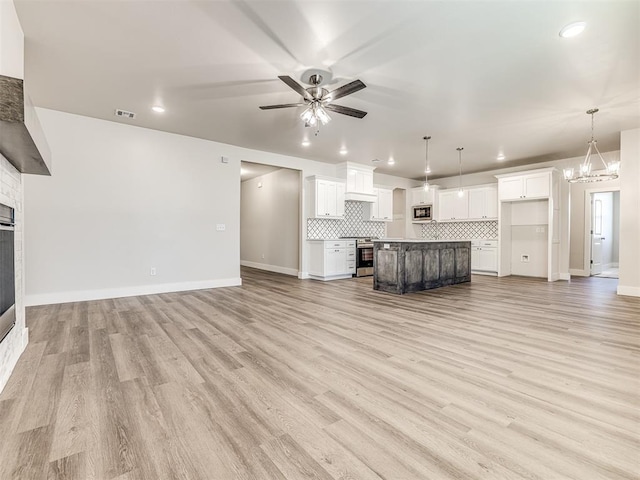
[
  {"x": 332, "y": 259},
  {"x": 484, "y": 256}
]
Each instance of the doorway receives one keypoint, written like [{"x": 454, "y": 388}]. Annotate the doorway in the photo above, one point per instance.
[
  {"x": 270, "y": 207},
  {"x": 604, "y": 233}
]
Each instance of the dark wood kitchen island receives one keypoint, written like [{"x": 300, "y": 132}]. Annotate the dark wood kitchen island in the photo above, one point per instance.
[{"x": 404, "y": 266}]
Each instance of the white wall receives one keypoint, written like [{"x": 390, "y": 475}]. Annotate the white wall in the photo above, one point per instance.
[
  {"x": 615, "y": 240},
  {"x": 124, "y": 200},
  {"x": 270, "y": 222},
  {"x": 629, "y": 282},
  {"x": 11, "y": 42}
]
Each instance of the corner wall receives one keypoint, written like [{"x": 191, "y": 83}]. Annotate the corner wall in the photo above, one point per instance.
[{"x": 629, "y": 282}]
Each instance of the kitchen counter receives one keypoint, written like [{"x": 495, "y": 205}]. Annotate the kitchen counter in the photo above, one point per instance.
[{"x": 404, "y": 266}]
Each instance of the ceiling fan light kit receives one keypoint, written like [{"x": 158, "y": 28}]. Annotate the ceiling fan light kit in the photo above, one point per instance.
[
  {"x": 583, "y": 173},
  {"x": 317, "y": 99}
]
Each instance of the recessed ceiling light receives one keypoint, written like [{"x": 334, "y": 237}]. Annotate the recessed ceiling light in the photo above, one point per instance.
[
  {"x": 391, "y": 161},
  {"x": 344, "y": 151},
  {"x": 157, "y": 109},
  {"x": 572, "y": 29},
  {"x": 500, "y": 156},
  {"x": 306, "y": 143}
]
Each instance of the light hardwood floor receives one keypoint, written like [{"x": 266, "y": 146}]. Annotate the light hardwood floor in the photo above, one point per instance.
[{"x": 509, "y": 378}]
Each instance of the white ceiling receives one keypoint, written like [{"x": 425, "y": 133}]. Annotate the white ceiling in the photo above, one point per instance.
[{"x": 490, "y": 76}]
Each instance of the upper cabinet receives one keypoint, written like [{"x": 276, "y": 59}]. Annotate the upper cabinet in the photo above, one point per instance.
[
  {"x": 382, "y": 209},
  {"x": 325, "y": 197},
  {"x": 452, "y": 206},
  {"x": 359, "y": 181},
  {"x": 524, "y": 186},
  {"x": 476, "y": 203},
  {"x": 483, "y": 203},
  {"x": 421, "y": 197}
]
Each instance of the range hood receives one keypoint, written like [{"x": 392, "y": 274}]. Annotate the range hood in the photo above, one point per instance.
[
  {"x": 359, "y": 178},
  {"x": 22, "y": 141}
]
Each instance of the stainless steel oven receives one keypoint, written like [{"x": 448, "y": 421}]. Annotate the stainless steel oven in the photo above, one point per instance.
[{"x": 364, "y": 257}]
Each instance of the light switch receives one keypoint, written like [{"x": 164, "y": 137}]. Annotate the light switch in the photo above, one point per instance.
[{"x": 221, "y": 227}]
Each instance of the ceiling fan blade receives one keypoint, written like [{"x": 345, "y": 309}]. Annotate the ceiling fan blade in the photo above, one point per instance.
[
  {"x": 284, "y": 105},
  {"x": 296, "y": 86},
  {"x": 347, "y": 89},
  {"x": 352, "y": 112}
]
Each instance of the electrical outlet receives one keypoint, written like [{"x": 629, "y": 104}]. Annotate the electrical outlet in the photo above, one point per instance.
[
  {"x": 221, "y": 227},
  {"x": 524, "y": 258},
  {"x": 152, "y": 272}
]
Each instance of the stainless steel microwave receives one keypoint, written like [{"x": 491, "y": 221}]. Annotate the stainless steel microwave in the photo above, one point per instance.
[{"x": 422, "y": 213}]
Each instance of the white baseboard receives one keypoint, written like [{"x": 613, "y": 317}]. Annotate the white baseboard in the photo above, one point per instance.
[
  {"x": 85, "y": 295},
  {"x": 564, "y": 276},
  {"x": 628, "y": 291},
  {"x": 270, "y": 268},
  {"x": 578, "y": 272},
  {"x": 482, "y": 272},
  {"x": 332, "y": 277},
  {"x": 13, "y": 355},
  {"x": 303, "y": 275}
]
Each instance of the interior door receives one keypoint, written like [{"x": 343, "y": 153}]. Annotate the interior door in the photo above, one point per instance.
[{"x": 596, "y": 236}]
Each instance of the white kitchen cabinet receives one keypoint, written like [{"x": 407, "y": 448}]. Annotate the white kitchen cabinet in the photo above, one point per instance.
[
  {"x": 325, "y": 198},
  {"x": 524, "y": 187},
  {"x": 332, "y": 259},
  {"x": 451, "y": 206},
  {"x": 358, "y": 180},
  {"x": 483, "y": 203},
  {"x": 420, "y": 197},
  {"x": 529, "y": 199},
  {"x": 484, "y": 256},
  {"x": 382, "y": 209}
]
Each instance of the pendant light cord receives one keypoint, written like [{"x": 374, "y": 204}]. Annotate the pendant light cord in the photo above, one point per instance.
[
  {"x": 426, "y": 160},
  {"x": 460, "y": 166}
]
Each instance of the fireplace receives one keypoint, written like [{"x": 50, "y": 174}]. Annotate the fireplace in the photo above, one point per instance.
[{"x": 7, "y": 271}]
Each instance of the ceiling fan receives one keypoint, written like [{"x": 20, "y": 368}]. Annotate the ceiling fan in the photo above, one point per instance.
[{"x": 318, "y": 100}]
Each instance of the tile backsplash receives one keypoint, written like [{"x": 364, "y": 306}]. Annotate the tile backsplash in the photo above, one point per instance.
[
  {"x": 461, "y": 230},
  {"x": 353, "y": 225}
]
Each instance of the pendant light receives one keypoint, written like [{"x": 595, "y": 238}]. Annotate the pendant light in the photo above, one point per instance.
[
  {"x": 426, "y": 163},
  {"x": 583, "y": 173},
  {"x": 460, "y": 190}
]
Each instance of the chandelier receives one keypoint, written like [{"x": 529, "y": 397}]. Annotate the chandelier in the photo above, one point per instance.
[
  {"x": 583, "y": 173},
  {"x": 426, "y": 164}
]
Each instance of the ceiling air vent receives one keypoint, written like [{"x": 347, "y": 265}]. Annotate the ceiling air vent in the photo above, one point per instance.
[{"x": 125, "y": 114}]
